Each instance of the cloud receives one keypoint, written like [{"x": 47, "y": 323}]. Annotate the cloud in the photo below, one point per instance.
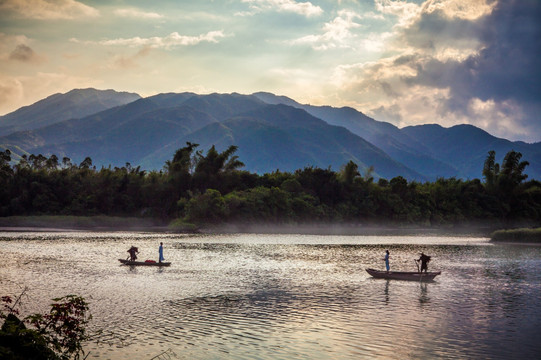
[
  {"x": 48, "y": 9},
  {"x": 336, "y": 33},
  {"x": 8, "y": 42},
  {"x": 135, "y": 13},
  {"x": 11, "y": 92},
  {"x": 168, "y": 42},
  {"x": 505, "y": 71},
  {"x": 302, "y": 8},
  {"x": 25, "y": 54},
  {"x": 127, "y": 62},
  {"x": 404, "y": 11},
  {"x": 455, "y": 62}
]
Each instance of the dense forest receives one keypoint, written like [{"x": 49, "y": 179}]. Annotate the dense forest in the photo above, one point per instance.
[{"x": 210, "y": 188}]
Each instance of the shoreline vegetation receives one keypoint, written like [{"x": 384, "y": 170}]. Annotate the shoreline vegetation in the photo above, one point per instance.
[
  {"x": 517, "y": 236},
  {"x": 114, "y": 223},
  {"x": 207, "y": 193},
  {"x": 76, "y": 223}
]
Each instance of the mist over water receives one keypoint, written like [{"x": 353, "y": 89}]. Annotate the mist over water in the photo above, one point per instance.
[{"x": 262, "y": 296}]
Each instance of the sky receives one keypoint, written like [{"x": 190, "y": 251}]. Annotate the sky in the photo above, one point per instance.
[{"x": 407, "y": 62}]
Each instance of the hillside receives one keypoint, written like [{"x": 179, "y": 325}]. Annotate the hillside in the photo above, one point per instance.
[
  {"x": 467, "y": 146},
  {"x": 431, "y": 150},
  {"x": 272, "y": 132},
  {"x": 76, "y": 103}
]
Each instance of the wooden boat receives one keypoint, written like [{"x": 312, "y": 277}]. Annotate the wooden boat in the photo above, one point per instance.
[
  {"x": 403, "y": 275},
  {"x": 143, "y": 263}
]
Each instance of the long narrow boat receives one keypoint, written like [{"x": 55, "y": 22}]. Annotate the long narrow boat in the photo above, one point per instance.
[
  {"x": 403, "y": 275},
  {"x": 143, "y": 263}
]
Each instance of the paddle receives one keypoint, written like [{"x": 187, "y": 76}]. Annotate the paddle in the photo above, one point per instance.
[{"x": 417, "y": 263}]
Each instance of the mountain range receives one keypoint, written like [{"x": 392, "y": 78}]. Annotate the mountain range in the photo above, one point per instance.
[{"x": 272, "y": 133}]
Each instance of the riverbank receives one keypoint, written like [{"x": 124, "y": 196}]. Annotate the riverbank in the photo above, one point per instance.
[
  {"x": 517, "y": 236},
  {"x": 63, "y": 223},
  {"x": 112, "y": 223}
]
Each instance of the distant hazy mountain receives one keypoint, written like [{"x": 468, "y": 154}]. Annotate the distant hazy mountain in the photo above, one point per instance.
[
  {"x": 466, "y": 147},
  {"x": 385, "y": 136},
  {"x": 272, "y": 132},
  {"x": 431, "y": 150},
  {"x": 59, "y": 107},
  {"x": 148, "y": 131},
  {"x": 273, "y": 137}
]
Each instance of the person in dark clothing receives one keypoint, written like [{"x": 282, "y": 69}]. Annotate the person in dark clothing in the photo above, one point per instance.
[
  {"x": 133, "y": 251},
  {"x": 424, "y": 259}
]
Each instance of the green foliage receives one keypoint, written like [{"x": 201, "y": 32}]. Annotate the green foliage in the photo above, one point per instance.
[
  {"x": 59, "y": 334},
  {"x": 207, "y": 207},
  {"x": 209, "y": 188},
  {"x": 517, "y": 235},
  {"x": 505, "y": 182},
  {"x": 349, "y": 172},
  {"x": 180, "y": 225}
]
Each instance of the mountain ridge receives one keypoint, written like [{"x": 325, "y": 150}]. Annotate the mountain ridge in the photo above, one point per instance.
[
  {"x": 58, "y": 107},
  {"x": 272, "y": 132}
]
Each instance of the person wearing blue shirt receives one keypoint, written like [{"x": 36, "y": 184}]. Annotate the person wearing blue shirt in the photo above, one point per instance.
[
  {"x": 161, "y": 252},
  {"x": 386, "y": 258}
]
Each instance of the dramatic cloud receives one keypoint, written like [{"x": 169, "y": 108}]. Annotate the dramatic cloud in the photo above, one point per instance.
[
  {"x": 168, "y": 42},
  {"x": 301, "y": 8},
  {"x": 505, "y": 73},
  {"x": 403, "y": 61},
  {"x": 47, "y": 9},
  {"x": 457, "y": 62}
]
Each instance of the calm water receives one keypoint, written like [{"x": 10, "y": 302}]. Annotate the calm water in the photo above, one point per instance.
[{"x": 257, "y": 296}]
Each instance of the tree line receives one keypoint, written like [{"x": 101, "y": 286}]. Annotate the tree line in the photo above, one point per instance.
[{"x": 211, "y": 188}]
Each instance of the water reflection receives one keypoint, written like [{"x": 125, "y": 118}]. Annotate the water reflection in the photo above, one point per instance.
[
  {"x": 387, "y": 282},
  {"x": 423, "y": 297},
  {"x": 288, "y": 297}
]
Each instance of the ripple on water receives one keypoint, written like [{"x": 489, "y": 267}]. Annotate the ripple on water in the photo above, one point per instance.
[{"x": 287, "y": 297}]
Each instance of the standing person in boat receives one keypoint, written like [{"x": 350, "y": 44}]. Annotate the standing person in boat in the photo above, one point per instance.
[
  {"x": 424, "y": 259},
  {"x": 133, "y": 251},
  {"x": 386, "y": 259},
  {"x": 160, "y": 251}
]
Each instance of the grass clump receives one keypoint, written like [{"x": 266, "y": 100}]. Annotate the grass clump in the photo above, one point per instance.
[
  {"x": 180, "y": 225},
  {"x": 517, "y": 235}
]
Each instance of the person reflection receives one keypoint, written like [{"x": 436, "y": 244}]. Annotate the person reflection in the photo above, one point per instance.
[
  {"x": 423, "y": 295},
  {"x": 386, "y": 292}
]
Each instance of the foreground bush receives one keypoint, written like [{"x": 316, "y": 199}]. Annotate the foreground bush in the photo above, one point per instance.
[{"x": 56, "y": 335}]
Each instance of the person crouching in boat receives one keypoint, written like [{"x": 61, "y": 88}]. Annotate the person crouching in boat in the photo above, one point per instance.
[
  {"x": 133, "y": 251},
  {"x": 424, "y": 259},
  {"x": 386, "y": 259}
]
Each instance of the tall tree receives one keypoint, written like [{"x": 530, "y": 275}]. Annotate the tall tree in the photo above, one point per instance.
[
  {"x": 491, "y": 169},
  {"x": 512, "y": 170},
  {"x": 212, "y": 168}
]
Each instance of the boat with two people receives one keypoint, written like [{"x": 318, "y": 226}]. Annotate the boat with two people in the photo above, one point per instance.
[
  {"x": 403, "y": 275},
  {"x": 143, "y": 263},
  {"x": 418, "y": 275},
  {"x": 132, "y": 258}
]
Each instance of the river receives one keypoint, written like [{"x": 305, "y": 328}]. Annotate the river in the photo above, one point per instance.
[{"x": 261, "y": 296}]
